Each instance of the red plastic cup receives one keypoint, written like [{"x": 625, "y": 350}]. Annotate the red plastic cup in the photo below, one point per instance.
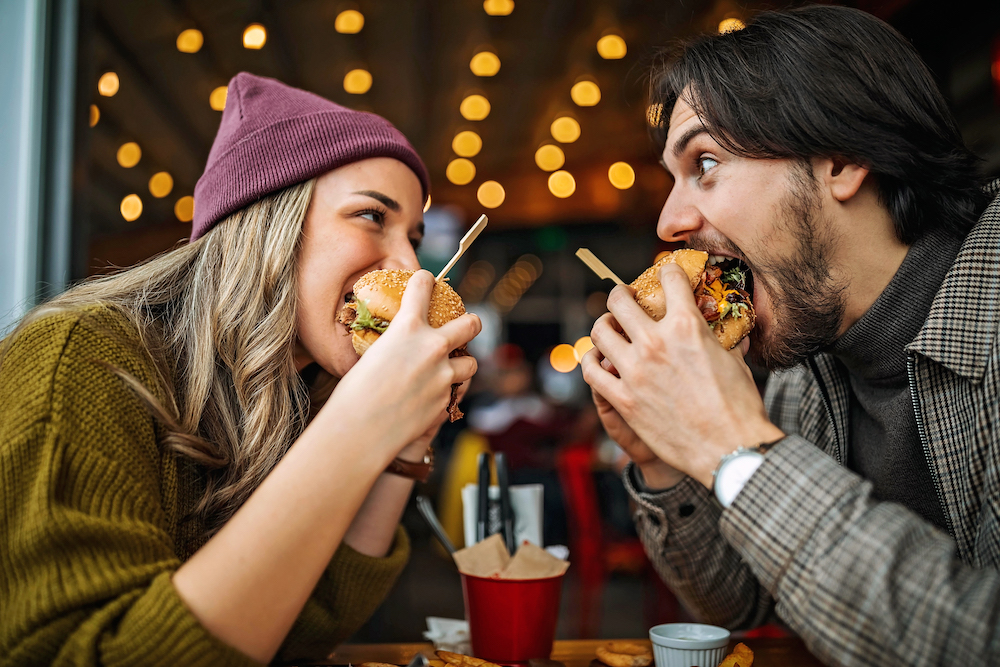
[{"x": 512, "y": 620}]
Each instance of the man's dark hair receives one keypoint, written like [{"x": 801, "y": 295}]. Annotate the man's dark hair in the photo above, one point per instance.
[{"x": 832, "y": 82}]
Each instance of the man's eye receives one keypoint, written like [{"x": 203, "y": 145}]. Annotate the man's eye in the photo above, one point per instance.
[
  {"x": 705, "y": 164},
  {"x": 375, "y": 216}
]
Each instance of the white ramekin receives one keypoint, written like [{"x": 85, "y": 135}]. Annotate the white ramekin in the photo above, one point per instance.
[{"x": 688, "y": 644}]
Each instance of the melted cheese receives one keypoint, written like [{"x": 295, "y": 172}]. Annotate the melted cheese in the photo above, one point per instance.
[{"x": 718, "y": 292}]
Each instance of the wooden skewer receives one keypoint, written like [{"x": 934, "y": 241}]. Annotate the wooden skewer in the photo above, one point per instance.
[
  {"x": 464, "y": 244},
  {"x": 597, "y": 266}
]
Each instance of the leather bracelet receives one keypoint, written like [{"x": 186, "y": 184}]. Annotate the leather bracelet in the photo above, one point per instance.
[{"x": 420, "y": 471}]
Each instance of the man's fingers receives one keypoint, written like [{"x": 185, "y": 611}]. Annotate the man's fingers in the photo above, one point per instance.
[
  {"x": 417, "y": 296},
  {"x": 599, "y": 379},
  {"x": 628, "y": 313},
  {"x": 677, "y": 289},
  {"x": 606, "y": 338}
]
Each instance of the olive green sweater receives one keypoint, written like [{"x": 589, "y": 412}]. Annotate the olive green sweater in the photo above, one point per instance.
[{"x": 92, "y": 520}]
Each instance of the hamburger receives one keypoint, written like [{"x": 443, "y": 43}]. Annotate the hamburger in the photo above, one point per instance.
[
  {"x": 369, "y": 309},
  {"x": 719, "y": 285}
]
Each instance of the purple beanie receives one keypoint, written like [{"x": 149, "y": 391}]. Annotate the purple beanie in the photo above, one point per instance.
[{"x": 273, "y": 136}]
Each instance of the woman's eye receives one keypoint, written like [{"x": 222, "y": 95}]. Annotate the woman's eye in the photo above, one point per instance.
[{"x": 705, "y": 164}]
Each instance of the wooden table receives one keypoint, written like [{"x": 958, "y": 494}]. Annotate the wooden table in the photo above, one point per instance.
[{"x": 788, "y": 652}]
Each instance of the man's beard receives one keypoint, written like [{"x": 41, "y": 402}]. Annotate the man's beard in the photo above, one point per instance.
[{"x": 807, "y": 302}]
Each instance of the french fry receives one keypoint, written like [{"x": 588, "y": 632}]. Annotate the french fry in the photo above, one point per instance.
[
  {"x": 741, "y": 656},
  {"x": 459, "y": 660}
]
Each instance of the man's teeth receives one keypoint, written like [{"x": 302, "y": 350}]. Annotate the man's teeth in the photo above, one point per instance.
[{"x": 716, "y": 259}]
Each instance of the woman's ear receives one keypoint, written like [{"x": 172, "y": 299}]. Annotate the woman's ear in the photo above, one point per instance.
[{"x": 843, "y": 178}]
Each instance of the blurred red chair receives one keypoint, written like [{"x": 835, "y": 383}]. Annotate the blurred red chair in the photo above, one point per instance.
[{"x": 593, "y": 554}]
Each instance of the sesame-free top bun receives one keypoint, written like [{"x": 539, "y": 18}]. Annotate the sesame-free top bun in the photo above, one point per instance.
[{"x": 728, "y": 330}]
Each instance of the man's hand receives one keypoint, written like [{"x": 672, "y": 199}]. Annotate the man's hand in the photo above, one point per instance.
[{"x": 682, "y": 395}]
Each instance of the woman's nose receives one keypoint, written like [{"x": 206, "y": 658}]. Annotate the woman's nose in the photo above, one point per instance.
[
  {"x": 678, "y": 218},
  {"x": 401, "y": 256}
]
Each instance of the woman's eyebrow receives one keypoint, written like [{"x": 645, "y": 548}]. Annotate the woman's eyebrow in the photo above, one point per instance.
[{"x": 388, "y": 201}]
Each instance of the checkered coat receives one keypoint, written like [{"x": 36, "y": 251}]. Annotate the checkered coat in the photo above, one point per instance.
[{"x": 862, "y": 582}]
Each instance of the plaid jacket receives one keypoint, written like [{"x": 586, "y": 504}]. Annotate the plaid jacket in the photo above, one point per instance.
[{"x": 863, "y": 582}]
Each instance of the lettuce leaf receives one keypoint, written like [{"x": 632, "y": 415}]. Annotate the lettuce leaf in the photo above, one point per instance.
[{"x": 365, "y": 319}]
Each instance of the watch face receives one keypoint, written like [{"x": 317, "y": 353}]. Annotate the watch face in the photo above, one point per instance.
[{"x": 734, "y": 472}]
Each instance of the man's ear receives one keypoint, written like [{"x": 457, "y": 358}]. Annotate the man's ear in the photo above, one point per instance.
[{"x": 843, "y": 178}]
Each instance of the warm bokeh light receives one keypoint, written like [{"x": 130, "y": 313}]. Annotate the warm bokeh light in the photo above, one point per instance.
[
  {"x": 131, "y": 207},
  {"x": 565, "y": 130},
  {"x": 582, "y": 346},
  {"x": 358, "y": 81},
  {"x": 490, "y": 194},
  {"x": 730, "y": 25},
  {"x": 467, "y": 144},
  {"x": 95, "y": 115},
  {"x": 485, "y": 63},
  {"x": 611, "y": 47},
  {"x": 549, "y": 157},
  {"x": 621, "y": 175},
  {"x": 254, "y": 36},
  {"x": 427, "y": 204},
  {"x": 129, "y": 154},
  {"x": 563, "y": 358},
  {"x": 349, "y": 22},
  {"x": 654, "y": 114},
  {"x": 562, "y": 184},
  {"x": 597, "y": 304},
  {"x": 498, "y": 7},
  {"x": 190, "y": 41},
  {"x": 585, "y": 93},
  {"x": 475, "y": 107},
  {"x": 460, "y": 171},
  {"x": 217, "y": 100},
  {"x": 184, "y": 209},
  {"x": 161, "y": 184},
  {"x": 107, "y": 85}
]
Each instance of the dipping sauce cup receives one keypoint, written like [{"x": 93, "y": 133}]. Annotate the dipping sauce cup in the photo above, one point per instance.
[{"x": 688, "y": 644}]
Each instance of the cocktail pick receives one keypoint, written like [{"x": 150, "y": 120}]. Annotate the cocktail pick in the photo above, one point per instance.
[
  {"x": 464, "y": 244},
  {"x": 597, "y": 266}
]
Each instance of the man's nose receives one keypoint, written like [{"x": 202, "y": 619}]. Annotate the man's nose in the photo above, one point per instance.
[{"x": 678, "y": 218}]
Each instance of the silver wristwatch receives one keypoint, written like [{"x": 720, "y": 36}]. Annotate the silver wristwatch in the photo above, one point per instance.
[{"x": 736, "y": 469}]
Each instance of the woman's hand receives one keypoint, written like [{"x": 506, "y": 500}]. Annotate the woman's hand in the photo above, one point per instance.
[{"x": 398, "y": 392}]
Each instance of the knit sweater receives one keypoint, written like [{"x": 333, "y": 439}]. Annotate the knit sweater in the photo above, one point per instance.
[{"x": 92, "y": 523}]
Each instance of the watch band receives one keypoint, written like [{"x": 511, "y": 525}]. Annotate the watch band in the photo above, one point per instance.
[{"x": 420, "y": 470}]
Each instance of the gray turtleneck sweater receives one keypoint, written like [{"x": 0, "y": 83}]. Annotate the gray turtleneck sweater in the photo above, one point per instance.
[{"x": 884, "y": 445}]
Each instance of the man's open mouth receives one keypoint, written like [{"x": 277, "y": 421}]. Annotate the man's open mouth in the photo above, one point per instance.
[{"x": 734, "y": 271}]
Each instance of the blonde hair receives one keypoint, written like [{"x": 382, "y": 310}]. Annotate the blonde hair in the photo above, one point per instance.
[{"x": 218, "y": 318}]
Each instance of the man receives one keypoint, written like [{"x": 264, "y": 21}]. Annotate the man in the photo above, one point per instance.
[{"x": 814, "y": 147}]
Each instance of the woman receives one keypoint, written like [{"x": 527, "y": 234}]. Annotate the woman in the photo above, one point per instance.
[{"x": 191, "y": 455}]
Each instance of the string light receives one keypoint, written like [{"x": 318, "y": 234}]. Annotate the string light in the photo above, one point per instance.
[
  {"x": 565, "y": 130},
  {"x": 254, "y": 36},
  {"x": 654, "y": 114},
  {"x": 95, "y": 115},
  {"x": 190, "y": 41},
  {"x": 161, "y": 184},
  {"x": 129, "y": 154},
  {"x": 485, "y": 63},
  {"x": 498, "y": 7},
  {"x": 131, "y": 207},
  {"x": 349, "y": 22},
  {"x": 582, "y": 346},
  {"x": 184, "y": 209},
  {"x": 460, "y": 171},
  {"x": 585, "y": 93},
  {"x": 490, "y": 194},
  {"x": 217, "y": 100},
  {"x": 563, "y": 358},
  {"x": 730, "y": 25},
  {"x": 611, "y": 47},
  {"x": 107, "y": 85},
  {"x": 358, "y": 81},
  {"x": 621, "y": 175},
  {"x": 467, "y": 144},
  {"x": 475, "y": 107},
  {"x": 476, "y": 281},
  {"x": 562, "y": 184},
  {"x": 512, "y": 286},
  {"x": 549, "y": 157}
]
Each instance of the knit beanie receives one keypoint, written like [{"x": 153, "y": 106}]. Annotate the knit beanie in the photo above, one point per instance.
[{"x": 273, "y": 136}]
